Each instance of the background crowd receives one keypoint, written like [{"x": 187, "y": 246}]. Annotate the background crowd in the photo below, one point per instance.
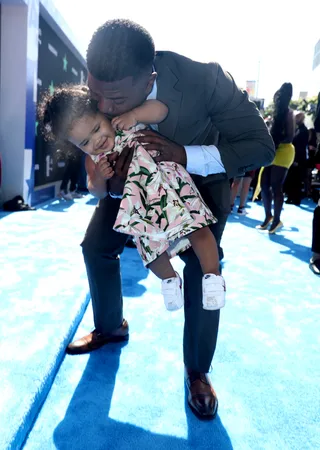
[{"x": 294, "y": 173}]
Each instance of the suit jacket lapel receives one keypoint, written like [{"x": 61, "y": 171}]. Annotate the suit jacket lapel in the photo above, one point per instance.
[{"x": 168, "y": 93}]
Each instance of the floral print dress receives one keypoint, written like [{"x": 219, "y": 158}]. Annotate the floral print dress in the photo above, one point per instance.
[{"x": 160, "y": 205}]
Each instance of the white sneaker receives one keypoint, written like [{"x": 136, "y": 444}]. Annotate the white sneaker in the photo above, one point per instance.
[
  {"x": 213, "y": 292},
  {"x": 242, "y": 212},
  {"x": 171, "y": 289},
  {"x": 76, "y": 194},
  {"x": 65, "y": 195}
]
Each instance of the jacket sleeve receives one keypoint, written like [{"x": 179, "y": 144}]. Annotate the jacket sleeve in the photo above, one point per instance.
[{"x": 245, "y": 143}]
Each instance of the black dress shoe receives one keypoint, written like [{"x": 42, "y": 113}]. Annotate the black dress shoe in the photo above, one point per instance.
[
  {"x": 315, "y": 266},
  {"x": 202, "y": 398},
  {"x": 95, "y": 340}
]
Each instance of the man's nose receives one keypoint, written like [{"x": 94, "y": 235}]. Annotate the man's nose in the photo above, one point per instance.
[{"x": 106, "y": 106}]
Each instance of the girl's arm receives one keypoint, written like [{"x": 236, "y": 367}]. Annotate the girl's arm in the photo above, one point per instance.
[
  {"x": 97, "y": 176},
  {"x": 150, "y": 112}
]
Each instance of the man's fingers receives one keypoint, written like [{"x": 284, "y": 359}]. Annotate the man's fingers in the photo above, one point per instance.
[
  {"x": 122, "y": 158},
  {"x": 123, "y": 163},
  {"x": 151, "y": 140},
  {"x": 113, "y": 157},
  {"x": 147, "y": 133},
  {"x": 153, "y": 147}
]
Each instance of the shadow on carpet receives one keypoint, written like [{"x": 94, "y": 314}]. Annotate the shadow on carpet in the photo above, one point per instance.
[
  {"x": 301, "y": 252},
  {"x": 87, "y": 423}
]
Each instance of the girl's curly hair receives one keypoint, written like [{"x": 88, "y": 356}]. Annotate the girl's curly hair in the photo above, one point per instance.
[{"x": 58, "y": 111}]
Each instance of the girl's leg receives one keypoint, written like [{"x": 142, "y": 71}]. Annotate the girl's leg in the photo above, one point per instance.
[
  {"x": 205, "y": 247},
  {"x": 171, "y": 282},
  {"x": 162, "y": 267},
  {"x": 213, "y": 285}
]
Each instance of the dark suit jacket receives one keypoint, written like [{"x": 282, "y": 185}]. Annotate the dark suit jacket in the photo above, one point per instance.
[
  {"x": 300, "y": 142},
  {"x": 317, "y": 118},
  {"x": 202, "y": 99}
]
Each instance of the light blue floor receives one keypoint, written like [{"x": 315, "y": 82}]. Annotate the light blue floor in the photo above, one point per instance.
[
  {"x": 266, "y": 370},
  {"x": 43, "y": 294}
]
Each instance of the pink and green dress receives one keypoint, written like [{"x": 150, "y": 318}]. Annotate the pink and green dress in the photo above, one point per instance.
[{"x": 160, "y": 205}]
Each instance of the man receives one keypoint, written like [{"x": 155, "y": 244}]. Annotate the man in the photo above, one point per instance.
[
  {"x": 124, "y": 71},
  {"x": 297, "y": 172}
]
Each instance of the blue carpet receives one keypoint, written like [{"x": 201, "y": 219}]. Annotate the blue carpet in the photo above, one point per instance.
[
  {"x": 266, "y": 368},
  {"x": 43, "y": 292}
]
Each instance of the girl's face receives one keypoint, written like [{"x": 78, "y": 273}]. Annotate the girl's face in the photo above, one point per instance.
[{"x": 93, "y": 134}]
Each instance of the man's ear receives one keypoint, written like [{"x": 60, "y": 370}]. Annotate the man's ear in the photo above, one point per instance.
[{"x": 151, "y": 81}]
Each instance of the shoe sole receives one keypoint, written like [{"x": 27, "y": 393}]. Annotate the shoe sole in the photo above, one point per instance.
[
  {"x": 313, "y": 270},
  {"x": 278, "y": 227},
  {"x": 205, "y": 417},
  {"x": 111, "y": 340}
]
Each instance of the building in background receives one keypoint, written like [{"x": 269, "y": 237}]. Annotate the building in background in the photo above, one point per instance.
[
  {"x": 37, "y": 51},
  {"x": 314, "y": 87}
]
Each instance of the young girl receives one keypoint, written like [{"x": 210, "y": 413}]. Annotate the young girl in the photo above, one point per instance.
[{"x": 161, "y": 206}]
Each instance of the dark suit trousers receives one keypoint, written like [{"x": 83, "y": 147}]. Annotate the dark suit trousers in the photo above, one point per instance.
[
  {"x": 101, "y": 249},
  {"x": 316, "y": 230},
  {"x": 294, "y": 182}
]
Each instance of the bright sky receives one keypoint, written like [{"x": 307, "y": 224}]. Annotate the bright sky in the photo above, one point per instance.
[{"x": 236, "y": 33}]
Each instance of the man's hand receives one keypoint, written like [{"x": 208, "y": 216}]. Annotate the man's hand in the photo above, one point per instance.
[
  {"x": 161, "y": 148},
  {"x": 120, "y": 165},
  {"x": 121, "y": 162}
]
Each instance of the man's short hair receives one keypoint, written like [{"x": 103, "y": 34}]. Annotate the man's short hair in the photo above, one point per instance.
[{"x": 118, "y": 49}]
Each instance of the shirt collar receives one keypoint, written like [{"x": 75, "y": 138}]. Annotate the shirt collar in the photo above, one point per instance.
[{"x": 153, "y": 93}]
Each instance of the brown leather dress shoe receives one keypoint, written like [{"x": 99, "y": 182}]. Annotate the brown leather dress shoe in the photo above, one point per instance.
[
  {"x": 95, "y": 340},
  {"x": 202, "y": 398}
]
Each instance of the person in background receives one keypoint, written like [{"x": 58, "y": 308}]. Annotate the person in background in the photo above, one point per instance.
[
  {"x": 312, "y": 144},
  {"x": 245, "y": 183},
  {"x": 71, "y": 175},
  {"x": 272, "y": 177},
  {"x": 297, "y": 172},
  {"x": 315, "y": 259}
]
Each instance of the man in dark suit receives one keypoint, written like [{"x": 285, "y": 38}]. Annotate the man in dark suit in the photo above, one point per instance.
[
  {"x": 213, "y": 130},
  {"x": 297, "y": 172}
]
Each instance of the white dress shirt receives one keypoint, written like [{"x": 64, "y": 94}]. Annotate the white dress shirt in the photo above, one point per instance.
[{"x": 201, "y": 159}]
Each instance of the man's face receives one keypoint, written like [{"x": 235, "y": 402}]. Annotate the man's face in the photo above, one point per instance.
[{"x": 118, "y": 97}]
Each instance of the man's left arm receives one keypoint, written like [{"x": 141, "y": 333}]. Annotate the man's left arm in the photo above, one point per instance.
[{"x": 245, "y": 143}]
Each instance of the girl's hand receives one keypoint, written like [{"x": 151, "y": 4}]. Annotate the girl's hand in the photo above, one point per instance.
[
  {"x": 125, "y": 121},
  {"x": 104, "y": 168}
]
